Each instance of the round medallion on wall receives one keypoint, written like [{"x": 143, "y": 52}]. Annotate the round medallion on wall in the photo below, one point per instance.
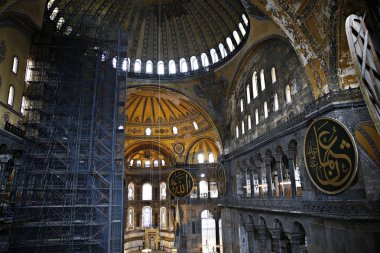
[
  {"x": 178, "y": 148},
  {"x": 219, "y": 175},
  {"x": 180, "y": 183},
  {"x": 331, "y": 156}
]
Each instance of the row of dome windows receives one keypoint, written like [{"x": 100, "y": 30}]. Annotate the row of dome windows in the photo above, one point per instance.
[
  {"x": 147, "y": 164},
  {"x": 148, "y": 130},
  {"x": 288, "y": 99}
]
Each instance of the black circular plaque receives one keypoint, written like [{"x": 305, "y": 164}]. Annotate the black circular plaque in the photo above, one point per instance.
[
  {"x": 331, "y": 156},
  {"x": 180, "y": 183}
]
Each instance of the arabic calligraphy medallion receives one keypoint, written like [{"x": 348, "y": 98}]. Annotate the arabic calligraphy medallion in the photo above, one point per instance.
[
  {"x": 331, "y": 156},
  {"x": 180, "y": 183}
]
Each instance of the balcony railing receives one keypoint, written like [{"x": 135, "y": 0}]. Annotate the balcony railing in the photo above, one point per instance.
[{"x": 14, "y": 130}]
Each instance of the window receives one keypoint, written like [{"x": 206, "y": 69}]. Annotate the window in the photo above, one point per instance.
[
  {"x": 15, "y": 65},
  {"x": 194, "y": 63},
  {"x": 223, "y": 51},
  {"x": 203, "y": 189},
  {"x": 28, "y": 71},
  {"x": 204, "y": 59},
  {"x": 275, "y": 103},
  {"x": 241, "y": 105},
  {"x": 54, "y": 13},
  {"x": 249, "y": 122},
  {"x": 237, "y": 131},
  {"x": 230, "y": 44},
  {"x": 262, "y": 80},
  {"x": 172, "y": 68},
  {"x": 211, "y": 158},
  {"x": 163, "y": 191},
  {"x": 175, "y": 130},
  {"x": 130, "y": 218},
  {"x": 161, "y": 68},
  {"x": 138, "y": 163},
  {"x": 155, "y": 163},
  {"x": 214, "y": 56},
  {"x": 163, "y": 217},
  {"x": 148, "y": 131},
  {"x": 242, "y": 30},
  {"x": 149, "y": 67},
  {"x": 11, "y": 95},
  {"x": 254, "y": 85},
  {"x": 265, "y": 109},
  {"x": 60, "y": 23},
  {"x": 147, "y": 191},
  {"x": 23, "y": 105},
  {"x": 50, "y": 4},
  {"x": 147, "y": 217},
  {"x": 125, "y": 65},
  {"x": 195, "y": 125},
  {"x": 68, "y": 30},
  {"x": 213, "y": 190},
  {"x": 273, "y": 73},
  {"x": 182, "y": 65},
  {"x": 131, "y": 162},
  {"x": 208, "y": 232},
  {"x": 131, "y": 191},
  {"x": 138, "y": 66},
  {"x": 114, "y": 62},
  {"x": 288, "y": 96},
  {"x": 162, "y": 162},
  {"x": 236, "y": 37},
  {"x": 242, "y": 127},
  {"x": 147, "y": 164},
  {"x": 257, "y": 116},
  {"x": 248, "y": 95},
  {"x": 245, "y": 19},
  {"x": 201, "y": 158}
]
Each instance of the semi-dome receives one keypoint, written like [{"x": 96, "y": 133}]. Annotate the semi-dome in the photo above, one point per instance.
[{"x": 166, "y": 38}]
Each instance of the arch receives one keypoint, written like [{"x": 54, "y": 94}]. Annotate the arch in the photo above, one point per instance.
[
  {"x": 249, "y": 122},
  {"x": 11, "y": 95},
  {"x": 262, "y": 80},
  {"x": 131, "y": 191},
  {"x": 149, "y": 67},
  {"x": 60, "y": 23},
  {"x": 208, "y": 231},
  {"x": 163, "y": 218},
  {"x": 147, "y": 217},
  {"x": 230, "y": 44},
  {"x": 261, "y": 221},
  {"x": 172, "y": 67},
  {"x": 254, "y": 85},
  {"x": 164, "y": 151},
  {"x": 275, "y": 102},
  {"x": 147, "y": 192},
  {"x": 236, "y": 37},
  {"x": 15, "y": 65},
  {"x": 257, "y": 117},
  {"x": 160, "y": 68},
  {"x": 54, "y": 13},
  {"x": 203, "y": 189},
  {"x": 214, "y": 56},
  {"x": 203, "y": 145},
  {"x": 248, "y": 94},
  {"x": 183, "y": 65},
  {"x": 137, "y": 68},
  {"x": 242, "y": 29},
  {"x": 162, "y": 191},
  {"x": 288, "y": 96},
  {"x": 241, "y": 105},
  {"x": 194, "y": 63},
  {"x": 130, "y": 224},
  {"x": 23, "y": 105},
  {"x": 204, "y": 59},
  {"x": 50, "y": 4},
  {"x": 273, "y": 74},
  {"x": 237, "y": 131},
  {"x": 244, "y": 17},
  {"x": 266, "y": 110},
  {"x": 223, "y": 51}
]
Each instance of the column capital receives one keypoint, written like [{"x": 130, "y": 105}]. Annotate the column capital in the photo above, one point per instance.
[
  {"x": 4, "y": 158},
  {"x": 276, "y": 233},
  {"x": 268, "y": 161},
  {"x": 290, "y": 153},
  {"x": 250, "y": 227},
  {"x": 295, "y": 238},
  {"x": 278, "y": 156}
]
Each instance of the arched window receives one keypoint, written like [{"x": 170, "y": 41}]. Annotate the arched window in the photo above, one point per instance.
[
  {"x": 254, "y": 85},
  {"x": 28, "y": 71},
  {"x": 241, "y": 105},
  {"x": 236, "y": 37},
  {"x": 130, "y": 218},
  {"x": 155, "y": 163},
  {"x": 208, "y": 232},
  {"x": 245, "y": 19},
  {"x": 211, "y": 158},
  {"x": 213, "y": 190},
  {"x": 223, "y": 51},
  {"x": 203, "y": 189},
  {"x": 160, "y": 68},
  {"x": 242, "y": 29},
  {"x": 204, "y": 59},
  {"x": 273, "y": 73},
  {"x": 131, "y": 162},
  {"x": 265, "y": 109},
  {"x": 201, "y": 158},
  {"x": 248, "y": 94},
  {"x": 195, "y": 125},
  {"x": 288, "y": 96},
  {"x": 68, "y": 30},
  {"x": 257, "y": 116},
  {"x": 249, "y": 122},
  {"x": 11, "y": 95},
  {"x": 125, "y": 64},
  {"x": 114, "y": 62},
  {"x": 214, "y": 55},
  {"x": 147, "y": 164},
  {"x": 149, "y": 67},
  {"x": 50, "y": 4},
  {"x": 54, "y": 13},
  {"x": 262, "y": 80},
  {"x": 194, "y": 63},
  {"x": 172, "y": 68},
  {"x": 15, "y": 65},
  {"x": 147, "y": 191},
  {"x": 162, "y": 162},
  {"x": 230, "y": 44},
  {"x": 147, "y": 217},
  {"x": 175, "y": 130},
  {"x": 138, "y": 163},
  {"x": 23, "y": 105},
  {"x": 60, "y": 23},
  {"x": 182, "y": 65},
  {"x": 138, "y": 66},
  {"x": 131, "y": 191},
  {"x": 163, "y": 191},
  {"x": 163, "y": 218},
  {"x": 242, "y": 127},
  {"x": 237, "y": 131},
  {"x": 148, "y": 131},
  {"x": 275, "y": 103}
]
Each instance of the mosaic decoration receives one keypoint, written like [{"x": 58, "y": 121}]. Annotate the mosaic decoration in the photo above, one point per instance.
[
  {"x": 220, "y": 176},
  {"x": 2, "y": 50},
  {"x": 331, "y": 155},
  {"x": 180, "y": 183},
  {"x": 178, "y": 148}
]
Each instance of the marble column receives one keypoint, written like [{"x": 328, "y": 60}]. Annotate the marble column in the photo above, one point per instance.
[
  {"x": 291, "y": 155},
  {"x": 264, "y": 239},
  {"x": 250, "y": 172},
  {"x": 251, "y": 237},
  {"x": 268, "y": 168},
  {"x": 296, "y": 242},
  {"x": 276, "y": 236}
]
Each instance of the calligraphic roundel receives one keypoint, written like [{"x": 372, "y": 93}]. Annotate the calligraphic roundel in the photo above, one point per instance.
[
  {"x": 331, "y": 155},
  {"x": 180, "y": 183}
]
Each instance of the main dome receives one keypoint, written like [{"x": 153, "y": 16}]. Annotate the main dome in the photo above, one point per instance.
[{"x": 166, "y": 37}]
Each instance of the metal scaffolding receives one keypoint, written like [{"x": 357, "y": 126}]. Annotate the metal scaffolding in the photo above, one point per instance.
[{"x": 70, "y": 187}]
